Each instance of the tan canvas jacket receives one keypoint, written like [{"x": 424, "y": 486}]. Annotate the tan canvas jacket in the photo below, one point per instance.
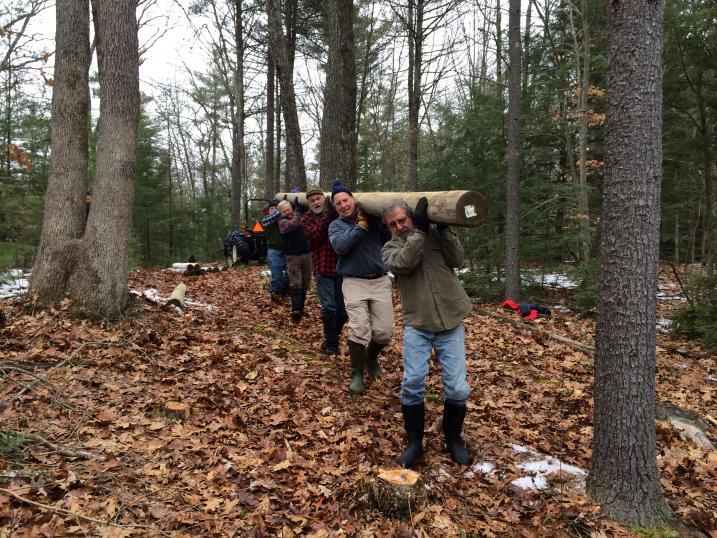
[{"x": 432, "y": 297}]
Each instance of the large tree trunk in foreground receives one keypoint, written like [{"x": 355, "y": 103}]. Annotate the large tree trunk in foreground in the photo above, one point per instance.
[
  {"x": 455, "y": 208},
  {"x": 623, "y": 474},
  {"x": 338, "y": 124},
  {"x": 98, "y": 286},
  {"x": 91, "y": 269},
  {"x": 512, "y": 254},
  {"x": 295, "y": 169},
  {"x": 64, "y": 218}
]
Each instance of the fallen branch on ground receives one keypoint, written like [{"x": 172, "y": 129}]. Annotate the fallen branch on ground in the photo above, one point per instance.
[
  {"x": 68, "y": 359},
  {"x": 68, "y": 453},
  {"x": 577, "y": 345},
  {"x": 57, "y": 510}
]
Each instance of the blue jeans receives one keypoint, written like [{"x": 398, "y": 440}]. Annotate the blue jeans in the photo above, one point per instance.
[
  {"x": 328, "y": 288},
  {"x": 451, "y": 354},
  {"x": 277, "y": 266}
]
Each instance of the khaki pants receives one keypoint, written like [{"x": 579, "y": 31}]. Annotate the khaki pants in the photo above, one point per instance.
[
  {"x": 299, "y": 269},
  {"x": 369, "y": 305}
]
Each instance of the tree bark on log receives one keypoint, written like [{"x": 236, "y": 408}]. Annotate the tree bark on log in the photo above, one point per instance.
[{"x": 455, "y": 208}]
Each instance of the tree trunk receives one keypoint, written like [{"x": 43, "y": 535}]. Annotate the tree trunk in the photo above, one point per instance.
[
  {"x": 98, "y": 285},
  {"x": 583, "y": 81},
  {"x": 415, "y": 48},
  {"x": 708, "y": 239},
  {"x": 277, "y": 164},
  {"x": 338, "y": 144},
  {"x": 526, "y": 50},
  {"x": 270, "y": 186},
  {"x": 498, "y": 44},
  {"x": 512, "y": 266},
  {"x": 295, "y": 169},
  {"x": 238, "y": 157},
  {"x": 64, "y": 218},
  {"x": 623, "y": 475},
  {"x": 454, "y": 208}
]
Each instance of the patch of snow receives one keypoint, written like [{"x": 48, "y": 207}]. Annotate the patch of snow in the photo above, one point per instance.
[
  {"x": 179, "y": 267},
  {"x": 531, "y": 482},
  {"x": 154, "y": 296},
  {"x": 711, "y": 378},
  {"x": 484, "y": 468},
  {"x": 538, "y": 467},
  {"x": 461, "y": 270},
  {"x": 666, "y": 296},
  {"x": 16, "y": 282},
  {"x": 205, "y": 306},
  {"x": 664, "y": 325},
  {"x": 265, "y": 274},
  {"x": 550, "y": 465},
  {"x": 557, "y": 280}
]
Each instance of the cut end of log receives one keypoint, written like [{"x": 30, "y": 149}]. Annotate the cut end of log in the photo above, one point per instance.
[{"x": 176, "y": 411}]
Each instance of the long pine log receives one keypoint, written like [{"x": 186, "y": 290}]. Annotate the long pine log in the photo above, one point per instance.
[{"x": 455, "y": 208}]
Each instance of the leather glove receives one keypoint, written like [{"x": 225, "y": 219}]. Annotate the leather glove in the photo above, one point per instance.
[
  {"x": 362, "y": 222},
  {"x": 420, "y": 219},
  {"x": 329, "y": 210},
  {"x": 296, "y": 206}
]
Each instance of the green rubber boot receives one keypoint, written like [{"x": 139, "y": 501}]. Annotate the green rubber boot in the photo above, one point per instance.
[
  {"x": 358, "y": 359},
  {"x": 372, "y": 365}
]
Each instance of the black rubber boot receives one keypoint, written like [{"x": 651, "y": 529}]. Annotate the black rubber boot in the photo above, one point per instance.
[
  {"x": 296, "y": 306},
  {"x": 302, "y": 301},
  {"x": 372, "y": 352},
  {"x": 413, "y": 422},
  {"x": 454, "y": 412},
  {"x": 331, "y": 335},
  {"x": 358, "y": 359}
]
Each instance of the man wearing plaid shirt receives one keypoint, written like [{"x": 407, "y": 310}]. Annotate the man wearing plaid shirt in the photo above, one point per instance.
[{"x": 323, "y": 259}]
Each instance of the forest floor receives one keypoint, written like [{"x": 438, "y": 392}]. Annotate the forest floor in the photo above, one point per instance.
[{"x": 275, "y": 445}]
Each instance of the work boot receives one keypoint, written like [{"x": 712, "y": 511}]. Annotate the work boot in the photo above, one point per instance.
[
  {"x": 454, "y": 412},
  {"x": 331, "y": 335},
  {"x": 372, "y": 352},
  {"x": 304, "y": 291},
  {"x": 413, "y": 422},
  {"x": 296, "y": 306},
  {"x": 358, "y": 358}
]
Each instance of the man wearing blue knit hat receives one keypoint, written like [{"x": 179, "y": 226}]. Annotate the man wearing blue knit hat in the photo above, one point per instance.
[{"x": 357, "y": 239}]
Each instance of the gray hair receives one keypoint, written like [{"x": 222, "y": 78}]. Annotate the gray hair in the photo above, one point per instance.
[
  {"x": 393, "y": 205},
  {"x": 283, "y": 204}
]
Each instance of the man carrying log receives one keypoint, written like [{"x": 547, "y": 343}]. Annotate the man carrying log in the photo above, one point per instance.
[
  {"x": 298, "y": 260},
  {"x": 357, "y": 239},
  {"x": 323, "y": 261},
  {"x": 434, "y": 305}
]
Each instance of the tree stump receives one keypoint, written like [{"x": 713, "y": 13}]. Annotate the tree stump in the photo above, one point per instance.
[
  {"x": 177, "y": 297},
  {"x": 178, "y": 411},
  {"x": 398, "y": 492}
]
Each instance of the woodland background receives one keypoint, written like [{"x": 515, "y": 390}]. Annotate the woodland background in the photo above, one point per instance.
[
  {"x": 455, "y": 56},
  {"x": 439, "y": 89}
]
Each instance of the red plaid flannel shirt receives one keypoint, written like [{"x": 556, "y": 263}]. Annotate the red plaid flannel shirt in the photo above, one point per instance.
[{"x": 323, "y": 256}]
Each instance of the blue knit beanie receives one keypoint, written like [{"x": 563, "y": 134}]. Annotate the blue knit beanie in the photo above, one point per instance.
[{"x": 339, "y": 187}]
